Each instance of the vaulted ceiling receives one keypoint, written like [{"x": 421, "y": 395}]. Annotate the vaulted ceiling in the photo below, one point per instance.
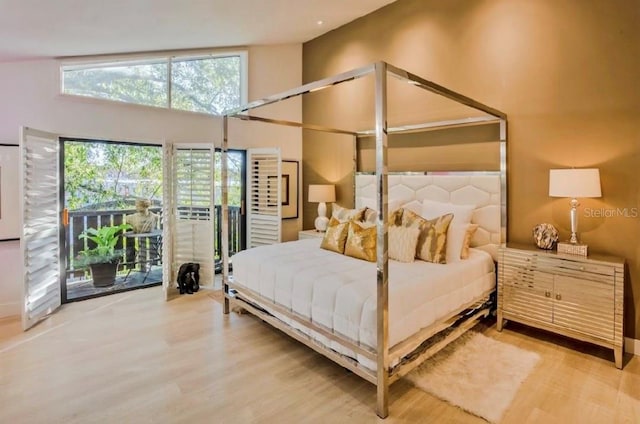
[{"x": 54, "y": 28}]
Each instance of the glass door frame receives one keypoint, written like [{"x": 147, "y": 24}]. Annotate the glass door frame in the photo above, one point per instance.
[{"x": 65, "y": 249}]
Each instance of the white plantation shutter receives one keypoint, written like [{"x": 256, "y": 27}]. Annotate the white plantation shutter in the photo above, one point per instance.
[
  {"x": 263, "y": 197},
  {"x": 41, "y": 234},
  {"x": 189, "y": 212},
  {"x": 169, "y": 271}
]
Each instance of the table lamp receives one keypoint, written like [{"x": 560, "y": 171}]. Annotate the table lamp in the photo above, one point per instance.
[
  {"x": 574, "y": 183},
  {"x": 322, "y": 193}
]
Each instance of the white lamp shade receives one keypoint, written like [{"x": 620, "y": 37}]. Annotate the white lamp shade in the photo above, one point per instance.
[
  {"x": 574, "y": 183},
  {"x": 322, "y": 193}
]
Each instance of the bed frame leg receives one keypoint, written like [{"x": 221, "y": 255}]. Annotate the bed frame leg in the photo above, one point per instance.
[
  {"x": 225, "y": 307},
  {"x": 382, "y": 404},
  {"x": 225, "y": 292}
]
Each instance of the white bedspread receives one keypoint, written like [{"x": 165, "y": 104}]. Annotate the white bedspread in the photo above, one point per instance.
[{"x": 339, "y": 292}]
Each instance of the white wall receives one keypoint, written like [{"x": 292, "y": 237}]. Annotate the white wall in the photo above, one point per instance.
[{"x": 30, "y": 97}]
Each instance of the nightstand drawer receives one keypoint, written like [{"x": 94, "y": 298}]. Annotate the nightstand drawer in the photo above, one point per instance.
[
  {"x": 520, "y": 259},
  {"x": 519, "y": 275},
  {"x": 583, "y": 267}
]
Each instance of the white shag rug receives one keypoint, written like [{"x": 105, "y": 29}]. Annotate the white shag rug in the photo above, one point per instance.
[{"x": 476, "y": 373}]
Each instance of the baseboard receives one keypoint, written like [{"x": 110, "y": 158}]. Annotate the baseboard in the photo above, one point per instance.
[
  {"x": 632, "y": 346},
  {"x": 9, "y": 309}
]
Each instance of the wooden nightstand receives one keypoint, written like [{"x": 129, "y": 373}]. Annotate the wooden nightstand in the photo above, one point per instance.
[
  {"x": 307, "y": 234},
  {"x": 576, "y": 296}
]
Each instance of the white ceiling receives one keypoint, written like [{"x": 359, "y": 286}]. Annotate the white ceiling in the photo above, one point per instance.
[{"x": 53, "y": 28}]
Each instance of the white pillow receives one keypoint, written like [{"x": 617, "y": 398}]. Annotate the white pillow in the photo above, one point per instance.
[
  {"x": 461, "y": 213},
  {"x": 455, "y": 234},
  {"x": 403, "y": 242},
  {"x": 414, "y": 206},
  {"x": 345, "y": 214}
]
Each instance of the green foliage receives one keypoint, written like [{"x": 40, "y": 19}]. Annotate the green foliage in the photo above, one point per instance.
[
  {"x": 207, "y": 84},
  {"x": 106, "y": 238},
  {"x": 235, "y": 162},
  {"x": 108, "y": 176},
  {"x": 143, "y": 84},
  {"x": 111, "y": 175}
]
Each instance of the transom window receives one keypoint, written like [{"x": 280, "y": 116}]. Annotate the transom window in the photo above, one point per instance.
[{"x": 210, "y": 83}]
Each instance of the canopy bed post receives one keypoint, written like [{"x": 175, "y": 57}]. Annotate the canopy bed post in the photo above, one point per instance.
[
  {"x": 382, "y": 311},
  {"x": 224, "y": 213},
  {"x": 503, "y": 180}
]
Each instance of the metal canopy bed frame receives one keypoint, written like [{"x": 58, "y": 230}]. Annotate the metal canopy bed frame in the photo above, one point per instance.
[{"x": 384, "y": 375}]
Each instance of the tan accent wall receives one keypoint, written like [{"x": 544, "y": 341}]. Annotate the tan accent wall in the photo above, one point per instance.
[
  {"x": 470, "y": 148},
  {"x": 564, "y": 72},
  {"x": 329, "y": 160}
]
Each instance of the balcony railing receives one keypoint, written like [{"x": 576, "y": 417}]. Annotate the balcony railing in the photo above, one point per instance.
[{"x": 79, "y": 221}]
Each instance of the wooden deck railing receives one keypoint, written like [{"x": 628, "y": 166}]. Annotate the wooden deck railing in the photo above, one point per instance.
[{"x": 79, "y": 221}]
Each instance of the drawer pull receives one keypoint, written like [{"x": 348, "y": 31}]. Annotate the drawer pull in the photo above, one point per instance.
[
  {"x": 547, "y": 294},
  {"x": 558, "y": 296}
]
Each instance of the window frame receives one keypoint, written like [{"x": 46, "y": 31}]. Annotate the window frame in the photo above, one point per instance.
[{"x": 84, "y": 62}]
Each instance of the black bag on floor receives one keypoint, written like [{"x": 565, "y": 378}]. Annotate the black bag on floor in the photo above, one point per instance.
[{"x": 189, "y": 278}]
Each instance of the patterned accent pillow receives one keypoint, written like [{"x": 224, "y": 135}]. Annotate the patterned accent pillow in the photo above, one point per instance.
[
  {"x": 361, "y": 241},
  {"x": 344, "y": 214},
  {"x": 371, "y": 211},
  {"x": 432, "y": 243},
  {"x": 402, "y": 243},
  {"x": 336, "y": 236},
  {"x": 371, "y": 216},
  {"x": 471, "y": 230}
]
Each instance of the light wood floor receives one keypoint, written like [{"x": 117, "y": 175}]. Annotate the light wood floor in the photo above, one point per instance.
[{"x": 132, "y": 358}]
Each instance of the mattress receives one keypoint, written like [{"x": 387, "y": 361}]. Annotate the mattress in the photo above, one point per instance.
[{"x": 339, "y": 292}]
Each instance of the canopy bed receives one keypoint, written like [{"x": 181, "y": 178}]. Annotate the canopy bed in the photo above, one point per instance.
[{"x": 328, "y": 301}]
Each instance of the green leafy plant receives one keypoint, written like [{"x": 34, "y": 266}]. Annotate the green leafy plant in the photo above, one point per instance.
[{"x": 106, "y": 238}]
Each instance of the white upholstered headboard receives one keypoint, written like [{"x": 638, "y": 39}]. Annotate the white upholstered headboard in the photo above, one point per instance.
[{"x": 479, "y": 189}]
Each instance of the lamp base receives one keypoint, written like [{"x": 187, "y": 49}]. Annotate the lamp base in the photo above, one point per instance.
[
  {"x": 321, "y": 223},
  {"x": 572, "y": 248}
]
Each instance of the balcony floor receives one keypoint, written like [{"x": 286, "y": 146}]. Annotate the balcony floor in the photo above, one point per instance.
[{"x": 84, "y": 289}]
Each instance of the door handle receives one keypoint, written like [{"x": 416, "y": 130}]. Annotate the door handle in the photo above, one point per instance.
[{"x": 242, "y": 207}]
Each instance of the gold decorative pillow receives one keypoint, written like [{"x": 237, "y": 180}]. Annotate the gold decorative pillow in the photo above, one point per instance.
[
  {"x": 344, "y": 214},
  {"x": 335, "y": 236},
  {"x": 402, "y": 243},
  {"x": 432, "y": 242},
  {"x": 471, "y": 230},
  {"x": 394, "y": 218},
  {"x": 361, "y": 241}
]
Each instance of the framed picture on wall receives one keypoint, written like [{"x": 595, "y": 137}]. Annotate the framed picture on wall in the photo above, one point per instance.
[
  {"x": 10, "y": 226},
  {"x": 289, "y": 187}
]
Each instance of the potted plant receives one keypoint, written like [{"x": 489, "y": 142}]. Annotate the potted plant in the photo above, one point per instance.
[{"x": 103, "y": 259}]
